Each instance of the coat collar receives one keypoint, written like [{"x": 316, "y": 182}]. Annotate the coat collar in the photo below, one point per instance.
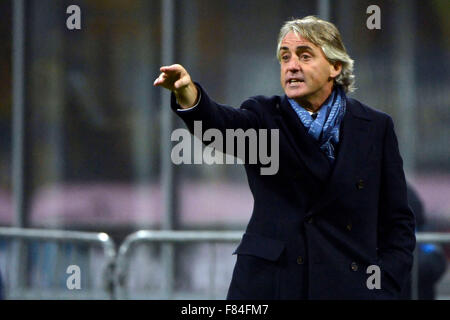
[
  {"x": 351, "y": 153},
  {"x": 306, "y": 148}
]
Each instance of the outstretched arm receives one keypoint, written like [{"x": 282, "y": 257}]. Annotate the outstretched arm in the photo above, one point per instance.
[{"x": 213, "y": 115}]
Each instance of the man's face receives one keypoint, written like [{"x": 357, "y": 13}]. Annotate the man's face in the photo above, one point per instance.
[{"x": 306, "y": 75}]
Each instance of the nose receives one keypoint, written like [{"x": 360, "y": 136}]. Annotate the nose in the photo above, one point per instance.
[{"x": 294, "y": 64}]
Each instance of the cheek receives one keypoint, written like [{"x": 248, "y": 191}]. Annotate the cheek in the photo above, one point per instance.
[
  {"x": 325, "y": 71},
  {"x": 318, "y": 74},
  {"x": 282, "y": 77}
]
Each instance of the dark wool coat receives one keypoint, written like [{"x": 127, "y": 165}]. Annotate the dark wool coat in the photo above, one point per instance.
[{"x": 316, "y": 227}]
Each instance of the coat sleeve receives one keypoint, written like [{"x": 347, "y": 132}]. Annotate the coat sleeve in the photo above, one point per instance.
[
  {"x": 218, "y": 116},
  {"x": 396, "y": 224}
]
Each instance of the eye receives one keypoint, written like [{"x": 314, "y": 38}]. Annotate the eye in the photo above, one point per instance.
[
  {"x": 285, "y": 57},
  {"x": 305, "y": 57}
]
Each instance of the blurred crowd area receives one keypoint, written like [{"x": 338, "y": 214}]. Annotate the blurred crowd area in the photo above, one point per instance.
[{"x": 93, "y": 118}]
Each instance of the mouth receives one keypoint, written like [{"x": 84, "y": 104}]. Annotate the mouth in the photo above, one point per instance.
[{"x": 294, "y": 81}]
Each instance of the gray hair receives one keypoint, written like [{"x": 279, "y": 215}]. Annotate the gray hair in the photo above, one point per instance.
[{"x": 325, "y": 35}]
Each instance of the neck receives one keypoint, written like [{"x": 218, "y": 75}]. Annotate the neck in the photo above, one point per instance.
[{"x": 314, "y": 103}]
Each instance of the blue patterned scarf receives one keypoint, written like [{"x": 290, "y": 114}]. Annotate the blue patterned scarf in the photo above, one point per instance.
[{"x": 325, "y": 128}]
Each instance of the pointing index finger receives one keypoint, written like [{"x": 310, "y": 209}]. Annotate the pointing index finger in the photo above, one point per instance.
[
  {"x": 165, "y": 68},
  {"x": 173, "y": 67}
]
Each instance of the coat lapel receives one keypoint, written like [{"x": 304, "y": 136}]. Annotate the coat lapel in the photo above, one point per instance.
[
  {"x": 352, "y": 154},
  {"x": 305, "y": 147}
]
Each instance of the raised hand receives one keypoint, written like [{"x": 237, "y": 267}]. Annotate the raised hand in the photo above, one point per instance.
[{"x": 176, "y": 79}]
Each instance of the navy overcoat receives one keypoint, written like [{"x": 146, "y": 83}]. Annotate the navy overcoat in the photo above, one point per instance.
[{"x": 316, "y": 227}]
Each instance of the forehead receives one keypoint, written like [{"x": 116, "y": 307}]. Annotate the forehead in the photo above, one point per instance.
[{"x": 293, "y": 40}]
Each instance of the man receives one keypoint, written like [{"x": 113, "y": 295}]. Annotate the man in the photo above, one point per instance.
[{"x": 338, "y": 203}]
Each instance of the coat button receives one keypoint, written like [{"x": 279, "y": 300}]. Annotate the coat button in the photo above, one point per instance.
[
  {"x": 310, "y": 220},
  {"x": 300, "y": 260},
  {"x": 354, "y": 266},
  {"x": 349, "y": 227},
  {"x": 360, "y": 184}
]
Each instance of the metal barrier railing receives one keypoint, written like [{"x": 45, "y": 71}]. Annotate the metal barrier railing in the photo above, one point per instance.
[
  {"x": 116, "y": 270},
  {"x": 224, "y": 236},
  {"x": 166, "y": 237},
  {"x": 101, "y": 239},
  {"x": 435, "y": 237}
]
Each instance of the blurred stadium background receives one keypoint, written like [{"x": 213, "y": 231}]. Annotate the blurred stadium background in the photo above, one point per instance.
[{"x": 85, "y": 136}]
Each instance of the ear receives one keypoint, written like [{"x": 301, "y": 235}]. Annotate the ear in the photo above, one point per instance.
[{"x": 335, "y": 69}]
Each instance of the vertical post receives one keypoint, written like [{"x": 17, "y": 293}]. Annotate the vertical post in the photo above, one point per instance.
[
  {"x": 405, "y": 88},
  {"x": 403, "y": 63},
  {"x": 324, "y": 9},
  {"x": 212, "y": 270},
  {"x": 167, "y": 54},
  {"x": 18, "y": 136},
  {"x": 143, "y": 119},
  {"x": 18, "y": 88}
]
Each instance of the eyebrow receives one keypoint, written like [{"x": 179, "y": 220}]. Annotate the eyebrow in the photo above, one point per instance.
[{"x": 298, "y": 48}]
